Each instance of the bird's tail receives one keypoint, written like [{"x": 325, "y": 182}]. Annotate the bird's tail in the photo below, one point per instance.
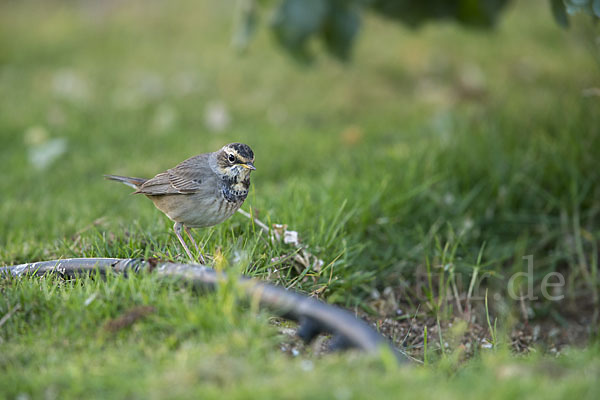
[{"x": 129, "y": 181}]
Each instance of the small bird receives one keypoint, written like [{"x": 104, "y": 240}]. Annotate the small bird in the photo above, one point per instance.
[{"x": 201, "y": 191}]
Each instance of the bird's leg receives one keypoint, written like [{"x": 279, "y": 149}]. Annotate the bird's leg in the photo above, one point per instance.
[
  {"x": 177, "y": 229},
  {"x": 187, "y": 230}
]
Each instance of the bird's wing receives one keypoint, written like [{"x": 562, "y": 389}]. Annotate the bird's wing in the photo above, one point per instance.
[{"x": 190, "y": 176}]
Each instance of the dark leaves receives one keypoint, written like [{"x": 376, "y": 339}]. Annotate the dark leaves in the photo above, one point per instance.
[
  {"x": 341, "y": 28},
  {"x": 478, "y": 13},
  {"x": 336, "y": 23},
  {"x": 295, "y": 21},
  {"x": 560, "y": 13}
]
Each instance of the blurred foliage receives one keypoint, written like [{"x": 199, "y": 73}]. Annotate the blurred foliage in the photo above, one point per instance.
[
  {"x": 591, "y": 7},
  {"x": 336, "y": 23}
]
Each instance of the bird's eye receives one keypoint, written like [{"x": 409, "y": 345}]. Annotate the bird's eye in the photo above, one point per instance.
[{"x": 231, "y": 158}]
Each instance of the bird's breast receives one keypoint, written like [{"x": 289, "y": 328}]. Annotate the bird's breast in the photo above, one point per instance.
[
  {"x": 235, "y": 192},
  {"x": 231, "y": 195}
]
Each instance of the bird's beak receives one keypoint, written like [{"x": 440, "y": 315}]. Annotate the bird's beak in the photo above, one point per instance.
[{"x": 249, "y": 166}]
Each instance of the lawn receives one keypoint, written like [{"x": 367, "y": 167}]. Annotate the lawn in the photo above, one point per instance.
[{"x": 424, "y": 175}]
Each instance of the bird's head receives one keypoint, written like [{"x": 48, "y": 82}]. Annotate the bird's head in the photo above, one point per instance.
[{"x": 235, "y": 161}]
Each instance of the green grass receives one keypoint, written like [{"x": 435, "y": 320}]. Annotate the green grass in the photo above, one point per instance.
[
  {"x": 435, "y": 154},
  {"x": 208, "y": 347}
]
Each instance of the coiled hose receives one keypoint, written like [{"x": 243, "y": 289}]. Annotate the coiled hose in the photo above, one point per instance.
[{"x": 314, "y": 316}]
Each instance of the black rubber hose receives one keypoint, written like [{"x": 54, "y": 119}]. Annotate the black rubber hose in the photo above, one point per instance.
[{"x": 313, "y": 315}]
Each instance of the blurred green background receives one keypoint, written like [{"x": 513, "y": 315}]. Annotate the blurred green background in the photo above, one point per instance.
[
  {"x": 440, "y": 134},
  {"x": 433, "y": 156}
]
